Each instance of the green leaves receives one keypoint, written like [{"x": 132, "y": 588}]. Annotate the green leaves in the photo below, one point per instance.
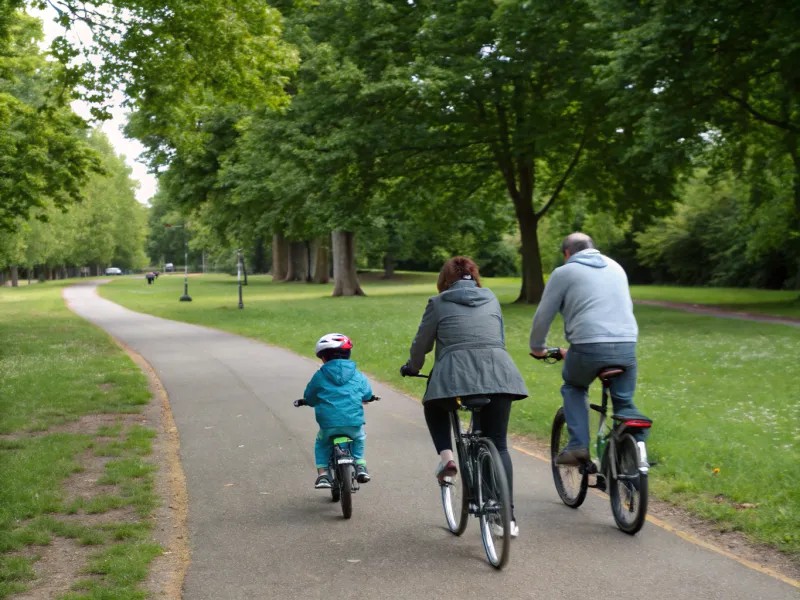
[{"x": 44, "y": 156}]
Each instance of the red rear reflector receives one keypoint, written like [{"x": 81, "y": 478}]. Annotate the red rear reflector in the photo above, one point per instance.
[{"x": 638, "y": 423}]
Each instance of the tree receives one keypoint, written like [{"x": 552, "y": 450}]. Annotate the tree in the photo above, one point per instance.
[
  {"x": 725, "y": 72},
  {"x": 44, "y": 155}
]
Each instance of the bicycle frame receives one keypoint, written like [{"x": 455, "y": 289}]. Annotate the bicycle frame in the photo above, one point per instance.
[
  {"x": 611, "y": 436},
  {"x": 465, "y": 442},
  {"x": 341, "y": 456}
]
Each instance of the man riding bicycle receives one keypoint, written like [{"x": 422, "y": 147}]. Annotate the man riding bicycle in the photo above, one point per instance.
[{"x": 591, "y": 292}]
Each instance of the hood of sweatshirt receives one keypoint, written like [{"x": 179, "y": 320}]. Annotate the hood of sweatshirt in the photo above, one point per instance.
[{"x": 590, "y": 258}]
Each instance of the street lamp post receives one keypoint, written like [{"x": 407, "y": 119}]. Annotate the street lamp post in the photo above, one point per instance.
[
  {"x": 239, "y": 274},
  {"x": 186, "y": 297}
]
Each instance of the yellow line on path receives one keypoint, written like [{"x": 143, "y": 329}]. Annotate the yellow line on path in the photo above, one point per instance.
[{"x": 691, "y": 538}]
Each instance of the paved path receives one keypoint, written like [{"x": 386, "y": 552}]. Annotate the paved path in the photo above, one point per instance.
[
  {"x": 258, "y": 529},
  {"x": 724, "y": 313}
]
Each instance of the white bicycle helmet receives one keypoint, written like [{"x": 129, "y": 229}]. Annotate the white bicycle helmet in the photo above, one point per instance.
[{"x": 333, "y": 341}]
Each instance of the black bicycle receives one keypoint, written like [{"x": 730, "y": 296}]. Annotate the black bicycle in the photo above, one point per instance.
[
  {"x": 482, "y": 490},
  {"x": 621, "y": 460},
  {"x": 341, "y": 469}
]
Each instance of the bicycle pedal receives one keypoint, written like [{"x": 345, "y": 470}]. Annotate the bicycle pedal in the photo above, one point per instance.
[{"x": 600, "y": 483}]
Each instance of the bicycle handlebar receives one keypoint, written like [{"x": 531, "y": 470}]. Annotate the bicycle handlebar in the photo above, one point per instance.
[
  {"x": 302, "y": 402},
  {"x": 552, "y": 356}
]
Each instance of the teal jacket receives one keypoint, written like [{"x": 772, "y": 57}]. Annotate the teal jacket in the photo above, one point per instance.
[{"x": 336, "y": 392}]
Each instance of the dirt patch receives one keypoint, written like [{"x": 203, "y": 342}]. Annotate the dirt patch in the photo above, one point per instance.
[
  {"x": 716, "y": 311},
  {"x": 115, "y": 515},
  {"x": 57, "y": 569},
  {"x": 688, "y": 526},
  {"x": 87, "y": 424},
  {"x": 167, "y": 571},
  {"x": 106, "y": 387},
  {"x": 83, "y": 485}
]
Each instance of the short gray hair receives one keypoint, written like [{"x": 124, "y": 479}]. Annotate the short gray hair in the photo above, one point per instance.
[{"x": 575, "y": 242}]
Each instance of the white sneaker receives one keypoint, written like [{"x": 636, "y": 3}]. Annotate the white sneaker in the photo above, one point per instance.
[{"x": 497, "y": 530}]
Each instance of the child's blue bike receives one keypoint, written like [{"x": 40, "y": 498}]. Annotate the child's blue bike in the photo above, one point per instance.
[{"x": 342, "y": 469}]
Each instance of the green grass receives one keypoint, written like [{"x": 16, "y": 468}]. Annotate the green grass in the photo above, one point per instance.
[
  {"x": 54, "y": 368},
  {"x": 724, "y": 394},
  {"x": 783, "y": 303}
]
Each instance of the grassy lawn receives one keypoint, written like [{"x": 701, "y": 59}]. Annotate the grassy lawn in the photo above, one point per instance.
[
  {"x": 55, "y": 368},
  {"x": 784, "y": 303},
  {"x": 725, "y": 394}
]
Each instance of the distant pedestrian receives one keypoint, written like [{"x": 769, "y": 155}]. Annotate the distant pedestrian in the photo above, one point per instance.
[{"x": 150, "y": 278}]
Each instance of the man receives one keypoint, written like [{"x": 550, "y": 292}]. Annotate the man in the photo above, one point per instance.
[{"x": 591, "y": 292}]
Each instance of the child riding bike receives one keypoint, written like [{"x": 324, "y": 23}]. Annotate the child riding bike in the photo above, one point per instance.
[{"x": 336, "y": 392}]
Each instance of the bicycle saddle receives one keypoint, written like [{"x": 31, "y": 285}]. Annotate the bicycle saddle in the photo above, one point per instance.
[
  {"x": 608, "y": 373},
  {"x": 475, "y": 401}
]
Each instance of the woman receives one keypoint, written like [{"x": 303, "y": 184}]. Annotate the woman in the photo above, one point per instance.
[{"x": 466, "y": 324}]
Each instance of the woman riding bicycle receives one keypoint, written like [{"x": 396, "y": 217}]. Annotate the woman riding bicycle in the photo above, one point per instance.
[{"x": 466, "y": 324}]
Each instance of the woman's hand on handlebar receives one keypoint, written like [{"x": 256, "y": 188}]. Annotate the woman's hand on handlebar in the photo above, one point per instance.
[
  {"x": 373, "y": 399},
  {"x": 550, "y": 355},
  {"x": 407, "y": 371},
  {"x": 300, "y": 402}
]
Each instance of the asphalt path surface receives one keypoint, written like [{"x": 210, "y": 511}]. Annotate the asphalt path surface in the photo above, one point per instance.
[{"x": 259, "y": 529}]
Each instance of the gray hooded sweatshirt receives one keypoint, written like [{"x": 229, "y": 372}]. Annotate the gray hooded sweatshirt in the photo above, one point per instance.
[{"x": 591, "y": 292}]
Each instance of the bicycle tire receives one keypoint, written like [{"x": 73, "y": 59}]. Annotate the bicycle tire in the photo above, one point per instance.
[
  {"x": 335, "y": 492},
  {"x": 454, "y": 495},
  {"x": 494, "y": 498},
  {"x": 628, "y": 496},
  {"x": 570, "y": 483},
  {"x": 346, "y": 472}
]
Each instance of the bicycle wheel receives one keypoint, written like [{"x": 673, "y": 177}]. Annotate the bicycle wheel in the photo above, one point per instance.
[
  {"x": 454, "y": 496},
  {"x": 335, "y": 492},
  {"x": 494, "y": 504},
  {"x": 628, "y": 491},
  {"x": 571, "y": 483},
  {"x": 346, "y": 474}
]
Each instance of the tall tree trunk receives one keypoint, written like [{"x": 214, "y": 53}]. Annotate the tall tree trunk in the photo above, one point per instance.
[
  {"x": 259, "y": 256},
  {"x": 280, "y": 258},
  {"x": 345, "y": 277},
  {"x": 322, "y": 260},
  {"x": 14, "y": 276},
  {"x": 298, "y": 262},
  {"x": 532, "y": 275},
  {"x": 388, "y": 265}
]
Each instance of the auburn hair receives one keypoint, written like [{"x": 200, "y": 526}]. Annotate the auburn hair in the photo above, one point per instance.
[{"x": 456, "y": 269}]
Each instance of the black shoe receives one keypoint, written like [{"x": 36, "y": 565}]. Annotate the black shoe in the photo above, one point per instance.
[
  {"x": 322, "y": 483},
  {"x": 361, "y": 474},
  {"x": 572, "y": 457}
]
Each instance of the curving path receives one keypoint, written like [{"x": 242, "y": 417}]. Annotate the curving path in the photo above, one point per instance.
[{"x": 259, "y": 530}]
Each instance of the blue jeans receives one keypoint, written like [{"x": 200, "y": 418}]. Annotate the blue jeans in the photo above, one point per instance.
[
  {"x": 324, "y": 444},
  {"x": 583, "y": 363}
]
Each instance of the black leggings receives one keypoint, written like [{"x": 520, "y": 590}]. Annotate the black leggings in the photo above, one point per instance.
[{"x": 492, "y": 420}]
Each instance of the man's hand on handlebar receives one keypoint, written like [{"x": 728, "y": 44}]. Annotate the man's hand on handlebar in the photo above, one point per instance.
[{"x": 550, "y": 355}]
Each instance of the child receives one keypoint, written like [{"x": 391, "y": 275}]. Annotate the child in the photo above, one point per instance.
[{"x": 336, "y": 392}]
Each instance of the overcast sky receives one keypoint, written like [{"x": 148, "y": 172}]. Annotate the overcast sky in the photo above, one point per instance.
[{"x": 113, "y": 128}]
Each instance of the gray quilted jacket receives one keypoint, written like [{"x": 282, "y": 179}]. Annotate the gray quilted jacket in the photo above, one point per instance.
[{"x": 466, "y": 325}]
